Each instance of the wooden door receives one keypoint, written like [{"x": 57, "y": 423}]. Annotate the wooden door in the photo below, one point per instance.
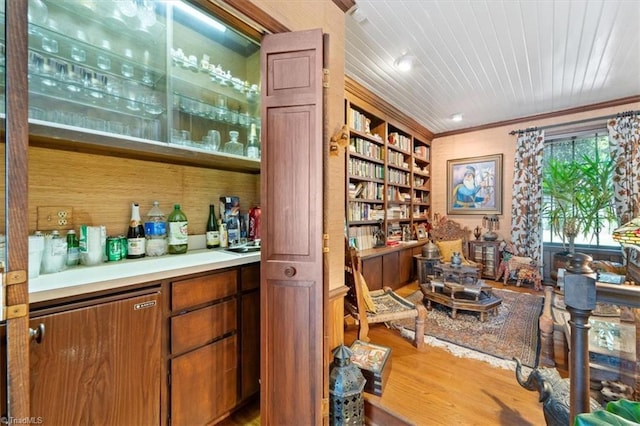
[
  {"x": 292, "y": 290},
  {"x": 13, "y": 213},
  {"x": 99, "y": 364}
]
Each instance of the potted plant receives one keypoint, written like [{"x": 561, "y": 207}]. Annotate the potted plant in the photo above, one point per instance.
[{"x": 578, "y": 198}]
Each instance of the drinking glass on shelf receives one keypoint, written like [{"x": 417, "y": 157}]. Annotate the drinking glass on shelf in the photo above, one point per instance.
[
  {"x": 214, "y": 140},
  {"x": 50, "y": 44},
  {"x": 103, "y": 62},
  {"x": 78, "y": 54}
]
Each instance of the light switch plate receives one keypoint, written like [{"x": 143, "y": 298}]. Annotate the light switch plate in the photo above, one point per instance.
[{"x": 52, "y": 218}]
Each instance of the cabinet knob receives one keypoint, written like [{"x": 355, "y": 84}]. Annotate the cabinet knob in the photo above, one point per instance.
[
  {"x": 37, "y": 334},
  {"x": 290, "y": 271}
]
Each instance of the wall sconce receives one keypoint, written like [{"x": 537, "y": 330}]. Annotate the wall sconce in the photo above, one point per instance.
[
  {"x": 490, "y": 222},
  {"x": 404, "y": 62}
]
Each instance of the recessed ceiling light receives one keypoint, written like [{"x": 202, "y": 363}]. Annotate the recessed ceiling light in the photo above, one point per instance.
[
  {"x": 404, "y": 62},
  {"x": 357, "y": 14},
  {"x": 456, "y": 117}
]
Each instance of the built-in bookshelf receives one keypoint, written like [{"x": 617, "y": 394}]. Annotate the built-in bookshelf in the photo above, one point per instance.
[{"x": 387, "y": 172}]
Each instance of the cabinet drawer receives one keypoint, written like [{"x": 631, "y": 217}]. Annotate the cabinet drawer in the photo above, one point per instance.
[
  {"x": 204, "y": 383},
  {"x": 250, "y": 277},
  {"x": 196, "y": 291},
  {"x": 198, "y": 327}
]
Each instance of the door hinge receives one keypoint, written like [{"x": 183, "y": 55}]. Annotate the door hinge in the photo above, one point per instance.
[
  {"x": 15, "y": 311},
  {"x": 325, "y": 407},
  {"x": 325, "y": 78},
  {"x": 325, "y": 243},
  {"x": 15, "y": 277}
]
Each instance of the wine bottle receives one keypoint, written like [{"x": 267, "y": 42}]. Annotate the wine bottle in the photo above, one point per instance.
[
  {"x": 253, "y": 143},
  {"x": 213, "y": 234},
  {"x": 178, "y": 231},
  {"x": 135, "y": 235}
]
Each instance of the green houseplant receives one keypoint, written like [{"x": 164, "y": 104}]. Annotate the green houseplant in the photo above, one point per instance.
[{"x": 578, "y": 198}]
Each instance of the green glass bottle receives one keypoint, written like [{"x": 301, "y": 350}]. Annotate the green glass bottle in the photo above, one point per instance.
[{"x": 178, "y": 231}]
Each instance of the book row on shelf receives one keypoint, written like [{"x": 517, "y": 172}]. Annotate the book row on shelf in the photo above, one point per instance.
[
  {"x": 365, "y": 169},
  {"x": 397, "y": 159},
  {"x": 394, "y": 194},
  {"x": 366, "y": 191},
  {"x": 400, "y": 141},
  {"x": 364, "y": 211},
  {"x": 398, "y": 177},
  {"x": 420, "y": 197},
  {"x": 421, "y": 151},
  {"x": 368, "y": 148},
  {"x": 397, "y": 212},
  {"x": 363, "y": 237}
]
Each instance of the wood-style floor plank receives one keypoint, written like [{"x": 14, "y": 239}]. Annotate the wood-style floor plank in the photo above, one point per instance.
[{"x": 433, "y": 387}]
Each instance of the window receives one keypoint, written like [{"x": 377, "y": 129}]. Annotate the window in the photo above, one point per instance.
[{"x": 568, "y": 147}]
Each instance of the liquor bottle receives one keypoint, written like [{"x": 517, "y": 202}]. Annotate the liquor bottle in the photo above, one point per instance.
[
  {"x": 178, "y": 231},
  {"x": 233, "y": 146},
  {"x": 135, "y": 235},
  {"x": 213, "y": 234},
  {"x": 155, "y": 229},
  {"x": 73, "y": 248},
  {"x": 224, "y": 236},
  {"x": 253, "y": 143}
]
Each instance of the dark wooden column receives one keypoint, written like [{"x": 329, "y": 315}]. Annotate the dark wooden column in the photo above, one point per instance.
[{"x": 580, "y": 298}]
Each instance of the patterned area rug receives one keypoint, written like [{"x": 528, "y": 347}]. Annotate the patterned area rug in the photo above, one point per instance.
[{"x": 511, "y": 333}]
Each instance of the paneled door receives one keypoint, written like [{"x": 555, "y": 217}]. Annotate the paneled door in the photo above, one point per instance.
[{"x": 292, "y": 291}]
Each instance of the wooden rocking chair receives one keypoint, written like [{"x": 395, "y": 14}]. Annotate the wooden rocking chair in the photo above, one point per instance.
[{"x": 379, "y": 305}]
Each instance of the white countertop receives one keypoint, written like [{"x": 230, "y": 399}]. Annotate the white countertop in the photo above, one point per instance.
[{"x": 87, "y": 279}]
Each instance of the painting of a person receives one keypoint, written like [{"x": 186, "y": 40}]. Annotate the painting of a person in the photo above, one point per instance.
[{"x": 467, "y": 193}]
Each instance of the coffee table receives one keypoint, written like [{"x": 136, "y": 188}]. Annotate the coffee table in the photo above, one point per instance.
[
  {"x": 459, "y": 274},
  {"x": 476, "y": 297}
]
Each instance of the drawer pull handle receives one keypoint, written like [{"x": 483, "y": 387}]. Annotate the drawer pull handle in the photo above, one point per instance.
[
  {"x": 290, "y": 271},
  {"x": 37, "y": 334}
]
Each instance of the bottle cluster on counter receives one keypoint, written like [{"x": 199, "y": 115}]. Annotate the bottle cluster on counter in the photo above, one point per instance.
[{"x": 157, "y": 235}]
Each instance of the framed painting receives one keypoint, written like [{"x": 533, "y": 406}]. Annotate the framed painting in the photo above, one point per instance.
[{"x": 474, "y": 185}]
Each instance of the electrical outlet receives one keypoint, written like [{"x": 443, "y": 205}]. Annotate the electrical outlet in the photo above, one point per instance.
[{"x": 52, "y": 218}]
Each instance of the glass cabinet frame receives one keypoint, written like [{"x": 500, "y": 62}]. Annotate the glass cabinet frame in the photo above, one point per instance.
[{"x": 161, "y": 85}]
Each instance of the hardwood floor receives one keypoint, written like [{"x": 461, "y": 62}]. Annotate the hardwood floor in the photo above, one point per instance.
[{"x": 433, "y": 387}]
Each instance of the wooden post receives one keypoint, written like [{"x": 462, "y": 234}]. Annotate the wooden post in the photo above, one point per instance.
[{"x": 580, "y": 298}]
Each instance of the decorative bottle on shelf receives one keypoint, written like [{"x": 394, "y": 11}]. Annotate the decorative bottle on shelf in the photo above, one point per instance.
[
  {"x": 73, "y": 248},
  {"x": 155, "y": 229},
  {"x": 253, "y": 143},
  {"x": 233, "y": 146},
  {"x": 178, "y": 231},
  {"x": 224, "y": 236},
  {"x": 213, "y": 234},
  {"x": 135, "y": 235}
]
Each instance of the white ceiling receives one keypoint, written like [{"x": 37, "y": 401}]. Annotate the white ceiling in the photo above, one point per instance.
[{"x": 494, "y": 60}]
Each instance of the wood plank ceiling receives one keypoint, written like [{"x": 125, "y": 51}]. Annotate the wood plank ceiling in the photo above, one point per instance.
[{"x": 493, "y": 60}]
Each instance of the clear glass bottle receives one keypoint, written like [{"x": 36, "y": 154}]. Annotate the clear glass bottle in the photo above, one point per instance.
[
  {"x": 178, "y": 231},
  {"x": 213, "y": 234},
  {"x": 155, "y": 229},
  {"x": 135, "y": 235},
  {"x": 224, "y": 236},
  {"x": 233, "y": 146},
  {"x": 253, "y": 143}
]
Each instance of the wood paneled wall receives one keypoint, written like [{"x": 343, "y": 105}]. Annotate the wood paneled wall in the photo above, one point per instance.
[{"x": 100, "y": 189}]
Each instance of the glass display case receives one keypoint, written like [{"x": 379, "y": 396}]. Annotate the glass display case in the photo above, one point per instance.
[{"x": 148, "y": 71}]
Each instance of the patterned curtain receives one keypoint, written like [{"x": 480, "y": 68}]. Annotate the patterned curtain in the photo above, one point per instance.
[
  {"x": 527, "y": 195},
  {"x": 624, "y": 141}
]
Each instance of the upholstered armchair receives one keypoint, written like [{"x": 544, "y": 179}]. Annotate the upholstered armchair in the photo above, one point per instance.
[{"x": 518, "y": 268}]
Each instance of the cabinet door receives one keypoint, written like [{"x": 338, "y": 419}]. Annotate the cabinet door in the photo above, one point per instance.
[
  {"x": 99, "y": 364},
  {"x": 372, "y": 272},
  {"x": 250, "y": 344},
  {"x": 390, "y": 275},
  {"x": 204, "y": 383},
  {"x": 405, "y": 265},
  {"x": 249, "y": 331},
  {"x": 292, "y": 290}
]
